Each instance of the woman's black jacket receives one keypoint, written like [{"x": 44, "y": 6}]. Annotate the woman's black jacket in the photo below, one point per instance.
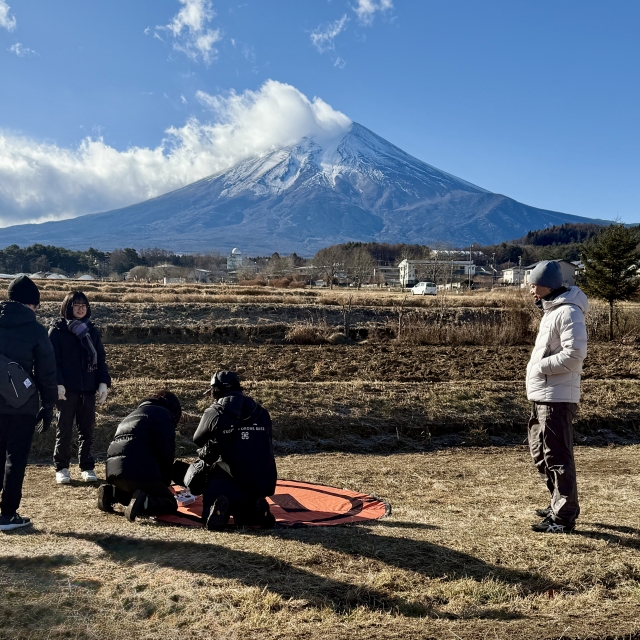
[
  {"x": 238, "y": 429},
  {"x": 144, "y": 446},
  {"x": 72, "y": 359}
]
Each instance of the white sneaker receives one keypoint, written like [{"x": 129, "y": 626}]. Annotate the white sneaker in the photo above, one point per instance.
[
  {"x": 63, "y": 476},
  {"x": 89, "y": 476}
]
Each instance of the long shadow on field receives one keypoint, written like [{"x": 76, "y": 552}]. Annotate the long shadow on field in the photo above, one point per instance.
[
  {"x": 265, "y": 572},
  {"x": 430, "y": 560},
  {"x": 619, "y": 528},
  {"x": 622, "y": 541}
]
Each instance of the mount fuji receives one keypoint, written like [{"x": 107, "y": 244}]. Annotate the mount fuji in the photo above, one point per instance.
[{"x": 302, "y": 197}]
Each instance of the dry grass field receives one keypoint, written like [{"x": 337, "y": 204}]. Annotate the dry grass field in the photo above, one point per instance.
[
  {"x": 430, "y": 420},
  {"x": 454, "y": 560}
]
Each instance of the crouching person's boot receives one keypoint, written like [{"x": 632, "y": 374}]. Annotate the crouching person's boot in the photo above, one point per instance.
[
  {"x": 255, "y": 514},
  {"x": 219, "y": 514},
  {"x": 106, "y": 498},
  {"x": 137, "y": 505}
]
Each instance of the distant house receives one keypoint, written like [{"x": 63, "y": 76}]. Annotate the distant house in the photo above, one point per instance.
[
  {"x": 202, "y": 275},
  {"x": 451, "y": 269},
  {"x": 514, "y": 275},
  {"x": 386, "y": 275},
  {"x": 86, "y": 276}
]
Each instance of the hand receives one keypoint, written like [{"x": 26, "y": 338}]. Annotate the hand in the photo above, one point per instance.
[
  {"x": 62, "y": 392},
  {"x": 103, "y": 392},
  {"x": 44, "y": 419}
]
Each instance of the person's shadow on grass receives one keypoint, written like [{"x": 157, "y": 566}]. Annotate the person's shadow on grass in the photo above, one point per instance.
[
  {"x": 298, "y": 583},
  {"x": 419, "y": 556}
]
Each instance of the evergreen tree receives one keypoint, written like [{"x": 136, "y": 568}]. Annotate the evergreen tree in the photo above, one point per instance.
[{"x": 611, "y": 266}]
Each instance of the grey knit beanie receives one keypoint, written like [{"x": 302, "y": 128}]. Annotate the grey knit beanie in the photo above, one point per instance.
[{"x": 546, "y": 274}]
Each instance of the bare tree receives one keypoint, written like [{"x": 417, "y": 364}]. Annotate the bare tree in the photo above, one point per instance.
[
  {"x": 359, "y": 265},
  {"x": 328, "y": 262}
]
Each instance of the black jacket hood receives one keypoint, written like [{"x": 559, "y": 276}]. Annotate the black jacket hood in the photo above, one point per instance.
[{"x": 14, "y": 314}]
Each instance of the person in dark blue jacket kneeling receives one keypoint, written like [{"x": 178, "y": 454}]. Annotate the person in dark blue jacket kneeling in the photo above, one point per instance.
[
  {"x": 234, "y": 436},
  {"x": 140, "y": 459}
]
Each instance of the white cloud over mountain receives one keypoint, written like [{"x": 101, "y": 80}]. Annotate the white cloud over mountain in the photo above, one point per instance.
[
  {"x": 7, "y": 21},
  {"x": 41, "y": 181},
  {"x": 190, "y": 32}
]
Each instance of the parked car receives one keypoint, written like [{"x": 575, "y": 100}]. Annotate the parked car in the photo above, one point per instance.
[{"x": 425, "y": 289}]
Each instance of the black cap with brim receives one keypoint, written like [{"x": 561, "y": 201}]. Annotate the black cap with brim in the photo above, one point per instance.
[{"x": 225, "y": 380}]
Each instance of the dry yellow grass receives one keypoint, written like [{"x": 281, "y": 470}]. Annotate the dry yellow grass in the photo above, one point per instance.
[{"x": 455, "y": 560}]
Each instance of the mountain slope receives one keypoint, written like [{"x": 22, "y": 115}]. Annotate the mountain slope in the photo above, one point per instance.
[{"x": 301, "y": 198}]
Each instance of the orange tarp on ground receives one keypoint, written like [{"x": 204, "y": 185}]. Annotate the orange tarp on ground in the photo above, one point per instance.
[{"x": 301, "y": 504}]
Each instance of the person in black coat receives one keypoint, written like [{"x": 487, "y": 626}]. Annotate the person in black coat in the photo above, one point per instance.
[
  {"x": 235, "y": 440},
  {"x": 23, "y": 340},
  {"x": 140, "y": 459},
  {"x": 82, "y": 371}
]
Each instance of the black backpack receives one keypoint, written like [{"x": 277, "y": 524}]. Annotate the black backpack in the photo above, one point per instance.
[{"x": 16, "y": 386}]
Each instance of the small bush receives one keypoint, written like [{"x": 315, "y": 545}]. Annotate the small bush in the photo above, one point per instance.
[{"x": 307, "y": 333}]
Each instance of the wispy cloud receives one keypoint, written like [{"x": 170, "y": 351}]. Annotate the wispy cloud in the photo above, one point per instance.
[
  {"x": 41, "y": 181},
  {"x": 323, "y": 37},
  {"x": 367, "y": 9},
  {"x": 21, "y": 51},
  {"x": 190, "y": 31},
  {"x": 7, "y": 21}
]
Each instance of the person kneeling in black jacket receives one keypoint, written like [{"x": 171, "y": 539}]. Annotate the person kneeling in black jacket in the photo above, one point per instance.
[
  {"x": 140, "y": 459},
  {"x": 234, "y": 436}
]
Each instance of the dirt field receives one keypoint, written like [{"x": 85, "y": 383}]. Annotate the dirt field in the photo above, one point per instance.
[{"x": 455, "y": 559}]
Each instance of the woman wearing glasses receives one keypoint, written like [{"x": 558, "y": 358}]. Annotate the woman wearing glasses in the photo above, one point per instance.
[{"x": 82, "y": 371}]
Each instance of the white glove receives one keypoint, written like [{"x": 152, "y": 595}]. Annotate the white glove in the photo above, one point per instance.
[
  {"x": 61, "y": 392},
  {"x": 102, "y": 393}
]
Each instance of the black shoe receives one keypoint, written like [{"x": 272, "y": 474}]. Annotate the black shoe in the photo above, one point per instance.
[
  {"x": 549, "y": 526},
  {"x": 219, "y": 514},
  {"x": 266, "y": 519},
  {"x": 135, "y": 507},
  {"x": 7, "y": 523},
  {"x": 105, "y": 498},
  {"x": 544, "y": 513}
]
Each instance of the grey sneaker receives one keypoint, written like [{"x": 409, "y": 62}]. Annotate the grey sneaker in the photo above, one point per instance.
[
  {"x": 549, "y": 526},
  {"x": 63, "y": 476},
  {"x": 7, "y": 523}
]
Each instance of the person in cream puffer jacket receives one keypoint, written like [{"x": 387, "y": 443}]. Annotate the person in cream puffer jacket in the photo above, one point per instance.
[
  {"x": 553, "y": 372},
  {"x": 553, "y": 387}
]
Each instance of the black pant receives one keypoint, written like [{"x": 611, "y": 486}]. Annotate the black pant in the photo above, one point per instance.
[
  {"x": 551, "y": 446},
  {"x": 16, "y": 434},
  {"x": 242, "y": 503},
  {"x": 161, "y": 500},
  {"x": 82, "y": 407}
]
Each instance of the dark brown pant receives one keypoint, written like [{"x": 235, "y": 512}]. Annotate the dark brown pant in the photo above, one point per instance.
[{"x": 551, "y": 446}]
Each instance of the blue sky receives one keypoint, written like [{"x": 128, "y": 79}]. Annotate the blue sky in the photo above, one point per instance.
[{"x": 108, "y": 102}]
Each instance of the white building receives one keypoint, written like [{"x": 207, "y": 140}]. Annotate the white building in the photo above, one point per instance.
[
  {"x": 514, "y": 275},
  {"x": 450, "y": 269},
  {"x": 234, "y": 261}
]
